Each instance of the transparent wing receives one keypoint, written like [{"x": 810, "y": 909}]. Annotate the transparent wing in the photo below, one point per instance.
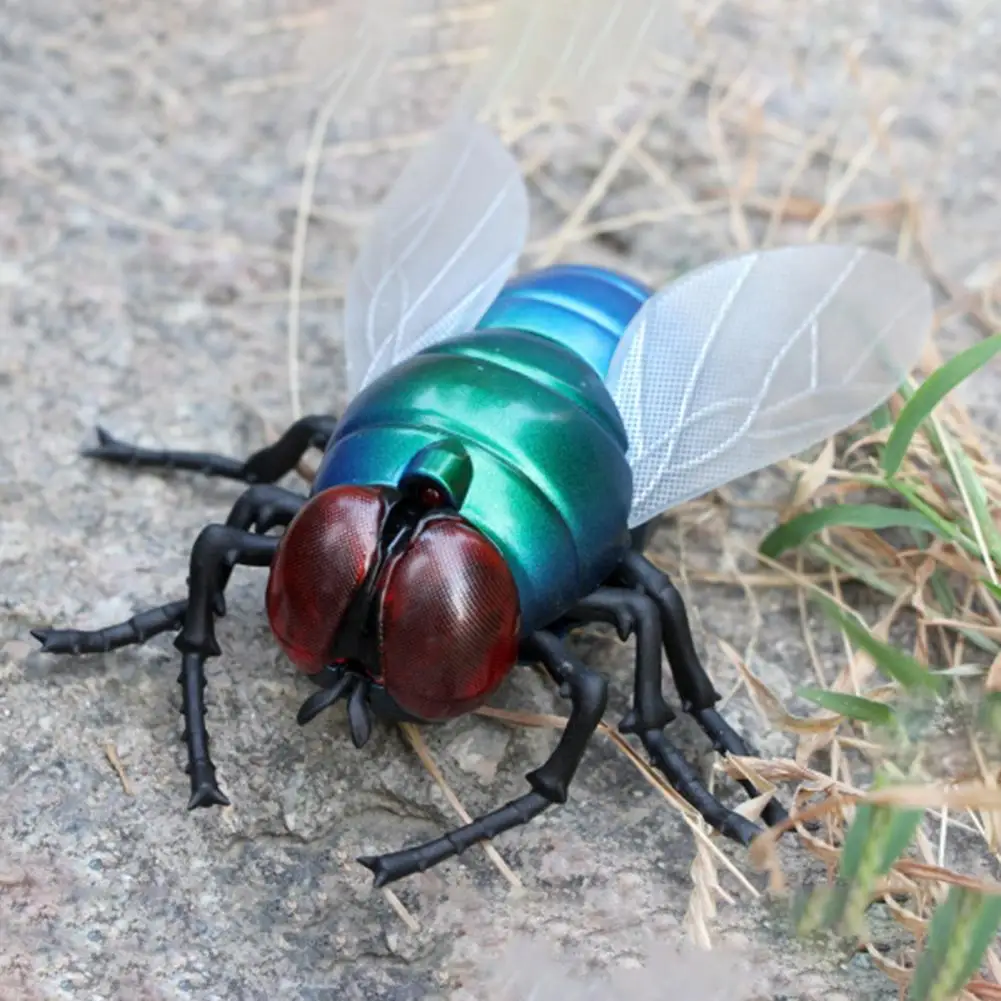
[
  {"x": 441, "y": 246},
  {"x": 349, "y": 57},
  {"x": 582, "y": 51},
  {"x": 451, "y": 230},
  {"x": 748, "y": 361}
]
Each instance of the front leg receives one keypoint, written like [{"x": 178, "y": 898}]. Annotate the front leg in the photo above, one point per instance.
[
  {"x": 267, "y": 465},
  {"x": 698, "y": 696},
  {"x": 260, "y": 508},
  {"x": 216, "y": 550},
  {"x": 588, "y": 693}
]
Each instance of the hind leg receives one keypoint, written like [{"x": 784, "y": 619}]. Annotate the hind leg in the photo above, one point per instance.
[
  {"x": 635, "y": 614},
  {"x": 698, "y": 696},
  {"x": 265, "y": 465}
]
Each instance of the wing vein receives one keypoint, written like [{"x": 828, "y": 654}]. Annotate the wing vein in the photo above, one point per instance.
[
  {"x": 760, "y": 386},
  {"x": 416, "y": 241},
  {"x": 713, "y": 333},
  {"x": 464, "y": 245}
]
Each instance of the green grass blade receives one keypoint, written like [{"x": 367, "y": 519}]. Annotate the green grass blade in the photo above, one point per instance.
[
  {"x": 855, "y": 841},
  {"x": 979, "y": 503},
  {"x": 901, "y": 828},
  {"x": 945, "y": 527},
  {"x": 989, "y": 715},
  {"x": 853, "y": 706},
  {"x": 843, "y": 562},
  {"x": 978, "y": 935},
  {"x": 943, "y": 595},
  {"x": 878, "y": 836},
  {"x": 961, "y": 930},
  {"x": 859, "y": 571},
  {"x": 900, "y": 666},
  {"x": 881, "y": 417},
  {"x": 936, "y": 945},
  {"x": 928, "y": 396},
  {"x": 874, "y": 516},
  {"x": 860, "y": 834},
  {"x": 810, "y": 909}
]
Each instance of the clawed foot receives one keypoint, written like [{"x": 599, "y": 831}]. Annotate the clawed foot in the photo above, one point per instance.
[
  {"x": 138, "y": 629},
  {"x": 725, "y": 742},
  {"x": 385, "y": 868},
  {"x": 73, "y": 641},
  {"x": 397, "y": 865},
  {"x": 205, "y": 791},
  {"x": 108, "y": 447}
]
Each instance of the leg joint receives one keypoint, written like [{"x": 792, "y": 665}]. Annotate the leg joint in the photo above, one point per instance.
[
  {"x": 589, "y": 696},
  {"x": 213, "y": 542},
  {"x": 665, "y": 592},
  {"x": 589, "y": 691},
  {"x": 218, "y": 545},
  {"x": 631, "y": 612},
  {"x": 263, "y": 507}
]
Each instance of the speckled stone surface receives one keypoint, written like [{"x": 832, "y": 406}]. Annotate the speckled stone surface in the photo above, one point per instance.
[{"x": 150, "y": 156}]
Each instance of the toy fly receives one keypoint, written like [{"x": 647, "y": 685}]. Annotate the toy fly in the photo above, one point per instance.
[{"x": 507, "y": 443}]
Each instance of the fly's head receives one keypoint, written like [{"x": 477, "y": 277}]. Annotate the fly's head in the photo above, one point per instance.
[{"x": 391, "y": 599}]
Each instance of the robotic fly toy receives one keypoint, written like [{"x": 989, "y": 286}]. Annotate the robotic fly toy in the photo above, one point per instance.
[{"x": 508, "y": 443}]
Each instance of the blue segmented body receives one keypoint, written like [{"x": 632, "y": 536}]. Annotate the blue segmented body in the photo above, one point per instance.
[
  {"x": 524, "y": 397},
  {"x": 584, "y": 308}
]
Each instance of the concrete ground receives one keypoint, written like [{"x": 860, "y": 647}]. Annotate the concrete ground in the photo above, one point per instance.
[{"x": 151, "y": 158}]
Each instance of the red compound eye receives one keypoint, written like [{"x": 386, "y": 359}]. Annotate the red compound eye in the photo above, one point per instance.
[
  {"x": 449, "y": 622},
  {"x": 321, "y": 562}
]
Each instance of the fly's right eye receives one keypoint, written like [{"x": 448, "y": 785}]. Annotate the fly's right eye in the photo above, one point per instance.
[{"x": 322, "y": 560}]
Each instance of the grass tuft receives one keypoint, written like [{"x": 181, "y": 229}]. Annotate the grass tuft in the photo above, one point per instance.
[{"x": 942, "y": 730}]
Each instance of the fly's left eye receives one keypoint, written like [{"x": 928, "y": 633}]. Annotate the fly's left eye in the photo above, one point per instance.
[{"x": 449, "y": 622}]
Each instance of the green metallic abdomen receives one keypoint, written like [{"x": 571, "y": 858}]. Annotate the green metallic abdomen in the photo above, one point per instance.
[{"x": 551, "y": 487}]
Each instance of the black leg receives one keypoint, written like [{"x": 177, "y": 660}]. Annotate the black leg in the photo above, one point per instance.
[
  {"x": 138, "y": 629},
  {"x": 217, "y": 548},
  {"x": 587, "y": 692},
  {"x": 634, "y": 613},
  {"x": 265, "y": 466},
  {"x": 260, "y": 508},
  {"x": 216, "y": 551},
  {"x": 698, "y": 696},
  {"x": 264, "y": 507}
]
